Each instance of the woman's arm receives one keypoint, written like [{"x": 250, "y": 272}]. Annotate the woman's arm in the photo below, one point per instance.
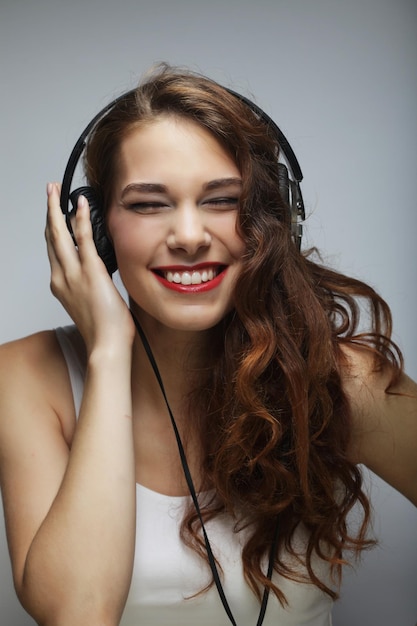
[
  {"x": 70, "y": 503},
  {"x": 384, "y": 436}
]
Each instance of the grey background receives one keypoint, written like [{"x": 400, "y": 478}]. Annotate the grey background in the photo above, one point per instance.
[{"x": 340, "y": 79}]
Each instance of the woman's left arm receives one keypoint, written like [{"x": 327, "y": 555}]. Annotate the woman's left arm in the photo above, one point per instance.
[{"x": 384, "y": 434}]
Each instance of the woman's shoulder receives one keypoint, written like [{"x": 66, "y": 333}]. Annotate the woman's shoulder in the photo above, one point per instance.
[
  {"x": 29, "y": 346},
  {"x": 34, "y": 374},
  {"x": 33, "y": 359},
  {"x": 384, "y": 419}
]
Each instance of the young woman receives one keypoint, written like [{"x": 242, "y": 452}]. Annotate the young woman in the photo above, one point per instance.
[{"x": 275, "y": 393}]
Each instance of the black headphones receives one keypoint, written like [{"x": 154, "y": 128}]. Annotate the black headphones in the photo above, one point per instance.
[{"x": 289, "y": 183}]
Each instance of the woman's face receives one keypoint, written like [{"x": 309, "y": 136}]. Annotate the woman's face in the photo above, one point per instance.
[{"x": 173, "y": 224}]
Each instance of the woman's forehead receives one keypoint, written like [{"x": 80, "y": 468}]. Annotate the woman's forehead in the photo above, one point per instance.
[{"x": 168, "y": 144}]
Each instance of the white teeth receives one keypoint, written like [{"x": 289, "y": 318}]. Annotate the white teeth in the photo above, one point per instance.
[
  {"x": 190, "y": 278},
  {"x": 186, "y": 278}
]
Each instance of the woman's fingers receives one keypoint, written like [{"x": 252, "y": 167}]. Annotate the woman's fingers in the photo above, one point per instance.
[
  {"x": 76, "y": 271},
  {"x": 83, "y": 232},
  {"x": 60, "y": 242},
  {"x": 61, "y": 248}
]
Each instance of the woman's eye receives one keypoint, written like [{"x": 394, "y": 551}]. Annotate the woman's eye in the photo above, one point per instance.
[
  {"x": 146, "y": 207},
  {"x": 223, "y": 202}
]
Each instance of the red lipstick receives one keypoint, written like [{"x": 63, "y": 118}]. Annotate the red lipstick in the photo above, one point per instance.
[{"x": 202, "y": 287}]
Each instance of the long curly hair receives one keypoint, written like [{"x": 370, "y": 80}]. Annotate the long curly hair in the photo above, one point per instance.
[{"x": 274, "y": 422}]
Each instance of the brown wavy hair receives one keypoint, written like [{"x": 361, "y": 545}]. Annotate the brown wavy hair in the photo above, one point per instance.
[{"x": 273, "y": 419}]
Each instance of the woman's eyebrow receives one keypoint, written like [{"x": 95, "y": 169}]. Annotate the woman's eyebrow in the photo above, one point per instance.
[
  {"x": 222, "y": 182},
  {"x": 144, "y": 188}
]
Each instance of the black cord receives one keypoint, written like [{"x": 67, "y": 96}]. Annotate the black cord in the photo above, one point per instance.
[{"x": 190, "y": 484}]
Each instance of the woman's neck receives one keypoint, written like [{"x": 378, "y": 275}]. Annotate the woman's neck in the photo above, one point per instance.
[{"x": 181, "y": 358}]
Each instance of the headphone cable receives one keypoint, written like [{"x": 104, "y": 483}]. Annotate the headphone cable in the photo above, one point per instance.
[{"x": 190, "y": 484}]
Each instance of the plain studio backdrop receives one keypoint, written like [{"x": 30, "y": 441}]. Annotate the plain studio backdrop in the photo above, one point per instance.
[{"x": 340, "y": 80}]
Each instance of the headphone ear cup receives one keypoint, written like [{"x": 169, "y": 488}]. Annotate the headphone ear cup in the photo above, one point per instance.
[
  {"x": 101, "y": 240},
  {"x": 291, "y": 194},
  {"x": 284, "y": 182}
]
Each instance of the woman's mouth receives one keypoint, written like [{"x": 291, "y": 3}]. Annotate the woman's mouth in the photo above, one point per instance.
[{"x": 194, "y": 279}]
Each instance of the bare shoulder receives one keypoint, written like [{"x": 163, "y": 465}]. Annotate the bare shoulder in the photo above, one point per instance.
[
  {"x": 384, "y": 428},
  {"x": 37, "y": 421},
  {"x": 33, "y": 369}
]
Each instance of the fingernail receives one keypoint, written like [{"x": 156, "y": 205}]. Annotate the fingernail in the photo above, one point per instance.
[
  {"x": 49, "y": 188},
  {"x": 81, "y": 201}
]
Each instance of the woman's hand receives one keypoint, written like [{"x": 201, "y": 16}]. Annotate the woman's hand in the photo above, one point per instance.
[{"x": 80, "y": 280}]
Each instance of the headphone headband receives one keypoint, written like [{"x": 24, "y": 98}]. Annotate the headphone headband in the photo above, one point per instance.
[{"x": 78, "y": 149}]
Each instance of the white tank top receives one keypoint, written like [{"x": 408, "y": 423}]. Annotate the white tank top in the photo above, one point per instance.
[{"x": 167, "y": 574}]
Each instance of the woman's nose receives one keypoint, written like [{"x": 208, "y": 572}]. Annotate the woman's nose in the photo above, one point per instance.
[{"x": 188, "y": 231}]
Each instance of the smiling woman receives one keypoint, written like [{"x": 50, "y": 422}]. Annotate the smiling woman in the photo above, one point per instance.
[{"x": 192, "y": 457}]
